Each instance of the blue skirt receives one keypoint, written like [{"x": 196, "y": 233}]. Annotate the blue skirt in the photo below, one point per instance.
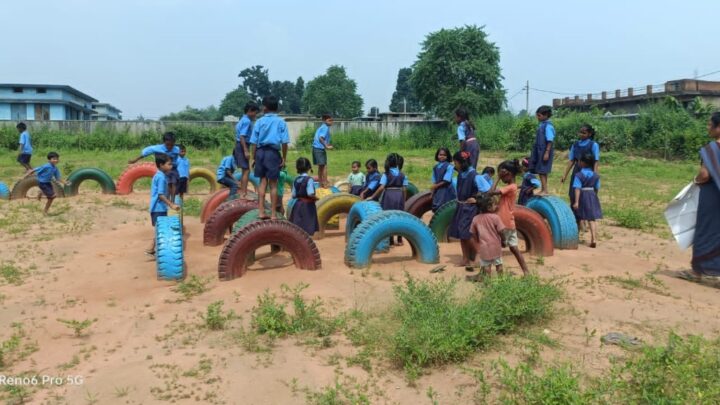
[
  {"x": 537, "y": 165},
  {"x": 588, "y": 206},
  {"x": 473, "y": 148},
  {"x": 355, "y": 190},
  {"x": 706, "y": 242},
  {"x": 304, "y": 215},
  {"x": 443, "y": 195},
  {"x": 460, "y": 226},
  {"x": 392, "y": 199}
]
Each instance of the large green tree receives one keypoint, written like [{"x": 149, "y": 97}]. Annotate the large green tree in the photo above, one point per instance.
[
  {"x": 234, "y": 103},
  {"x": 404, "y": 98},
  {"x": 289, "y": 99},
  {"x": 333, "y": 93},
  {"x": 459, "y": 67},
  {"x": 256, "y": 81}
]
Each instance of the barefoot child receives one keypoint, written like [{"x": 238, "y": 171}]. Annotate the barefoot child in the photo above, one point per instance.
[
  {"x": 243, "y": 131},
  {"x": 442, "y": 189},
  {"x": 507, "y": 171},
  {"x": 159, "y": 195},
  {"x": 45, "y": 175},
  {"x": 321, "y": 144},
  {"x": 541, "y": 159},
  {"x": 356, "y": 179},
  {"x": 169, "y": 148},
  {"x": 304, "y": 212},
  {"x": 587, "y": 205},
  {"x": 225, "y": 177},
  {"x": 183, "y": 167},
  {"x": 392, "y": 187},
  {"x": 269, "y": 137},
  {"x": 372, "y": 180},
  {"x": 528, "y": 185},
  {"x": 24, "y": 147},
  {"x": 487, "y": 231}
]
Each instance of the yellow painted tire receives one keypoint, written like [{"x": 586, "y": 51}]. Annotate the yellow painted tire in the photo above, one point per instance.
[
  {"x": 203, "y": 173},
  {"x": 332, "y": 205}
]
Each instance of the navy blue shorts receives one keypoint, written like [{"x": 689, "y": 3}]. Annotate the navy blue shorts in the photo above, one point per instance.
[
  {"x": 47, "y": 189},
  {"x": 172, "y": 176},
  {"x": 182, "y": 185},
  {"x": 319, "y": 157},
  {"x": 239, "y": 154},
  {"x": 24, "y": 158},
  {"x": 154, "y": 216},
  {"x": 267, "y": 163}
]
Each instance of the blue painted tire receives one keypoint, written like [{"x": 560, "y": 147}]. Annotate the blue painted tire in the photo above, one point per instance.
[
  {"x": 169, "y": 249},
  {"x": 4, "y": 191},
  {"x": 561, "y": 219},
  {"x": 367, "y": 235},
  {"x": 360, "y": 212},
  {"x": 335, "y": 190}
]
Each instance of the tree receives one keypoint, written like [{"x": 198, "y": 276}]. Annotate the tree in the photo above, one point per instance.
[
  {"x": 285, "y": 92},
  {"x": 256, "y": 82},
  {"x": 458, "y": 67},
  {"x": 234, "y": 103},
  {"x": 404, "y": 93},
  {"x": 193, "y": 114},
  {"x": 333, "y": 93},
  {"x": 300, "y": 91}
]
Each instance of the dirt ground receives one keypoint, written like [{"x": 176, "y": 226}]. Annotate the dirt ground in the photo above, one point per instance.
[{"x": 145, "y": 345}]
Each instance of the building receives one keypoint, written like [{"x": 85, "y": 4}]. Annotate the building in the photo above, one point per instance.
[
  {"x": 106, "y": 112},
  {"x": 44, "y": 102},
  {"x": 629, "y": 101},
  {"x": 395, "y": 116}
]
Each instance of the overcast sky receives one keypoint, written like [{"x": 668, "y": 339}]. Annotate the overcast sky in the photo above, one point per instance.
[{"x": 152, "y": 57}]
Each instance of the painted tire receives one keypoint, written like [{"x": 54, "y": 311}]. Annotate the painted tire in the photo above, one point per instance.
[
  {"x": 132, "y": 174},
  {"x": 286, "y": 180},
  {"x": 367, "y": 235},
  {"x": 343, "y": 186},
  {"x": 360, "y": 212},
  {"x": 172, "y": 213},
  {"x": 169, "y": 249},
  {"x": 332, "y": 205},
  {"x": 250, "y": 217},
  {"x": 532, "y": 227},
  {"x": 203, "y": 173},
  {"x": 20, "y": 189},
  {"x": 560, "y": 218},
  {"x": 419, "y": 204},
  {"x": 321, "y": 193},
  {"x": 212, "y": 203},
  {"x": 222, "y": 219},
  {"x": 440, "y": 221},
  {"x": 291, "y": 238},
  {"x": 410, "y": 190},
  {"x": 78, "y": 176},
  {"x": 251, "y": 179},
  {"x": 4, "y": 191}
]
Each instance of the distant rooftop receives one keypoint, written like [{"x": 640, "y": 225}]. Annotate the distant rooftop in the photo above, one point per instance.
[{"x": 67, "y": 88}]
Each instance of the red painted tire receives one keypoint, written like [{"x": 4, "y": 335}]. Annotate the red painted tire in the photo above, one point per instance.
[
  {"x": 222, "y": 219},
  {"x": 211, "y": 204},
  {"x": 237, "y": 252},
  {"x": 533, "y": 228},
  {"x": 419, "y": 204},
  {"x": 132, "y": 174}
]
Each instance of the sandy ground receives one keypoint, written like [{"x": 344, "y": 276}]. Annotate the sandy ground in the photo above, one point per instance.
[{"x": 145, "y": 345}]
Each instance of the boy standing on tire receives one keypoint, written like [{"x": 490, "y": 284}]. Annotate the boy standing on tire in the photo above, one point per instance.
[
  {"x": 25, "y": 148},
  {"x": 269, "y": 137},
  {"x": 321, "y": 144},
  {"x": 243, "y": 131},
  {"x": 159, "y": 196},
  {"x": 169, "y": 149},
  {"x": 45, "y": 175}
]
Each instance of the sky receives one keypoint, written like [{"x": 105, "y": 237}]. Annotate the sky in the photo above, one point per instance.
[{"x": 153, "y": 57}]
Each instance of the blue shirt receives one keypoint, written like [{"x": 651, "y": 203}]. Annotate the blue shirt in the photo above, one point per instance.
[
  {"x": 461, "y": 131},
  {"x": 228, "y": 163},
  {"x": 243, "y": 128},
  {"x": 448, "y": 176},
  {"x": 549, "y": 132},
  {"x": 160, "y": 148},
  {"x": 322, "y": 133},
  {"x": 585, "y": 172},
  {"x": 25, "y": 142},
  {"x": 395, "y": 172},
  {"x": 584, "y": 143},
  {"x": 309, "y": 189},
  {"x": 534, "y": 181},
  {"x": 270, "y": 130},
  {"x": 373, "y": 184},
  {"x": 46, "y": 172},
  {"x": 183, "y": 167},
  {"x": 480, "y": 182},
  {"x": 488, "y": 179},
  {"x": 158, "y": 188}
]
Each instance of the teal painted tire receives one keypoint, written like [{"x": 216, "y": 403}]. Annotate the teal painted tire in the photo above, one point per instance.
[
  {"x": 4, "y": 191},
  {"x": 560, "y": 218},
  {"x": 440, "y": 221},
  {"x": 359, "y": 212},
  {"x": 169, "y": 249},
  {"x": 89, "y": 173},
  {"x": 410, "y": 190}
]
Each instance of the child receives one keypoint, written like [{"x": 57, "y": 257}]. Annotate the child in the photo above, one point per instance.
[
  {"x": 304, "y": 212},
  {"x": 392, "y": 187},
  {"x": 25, "y": 148},
  {"x": 466, "y": 136},
  {"x": 469, "y": 183},
  {"x": 529, "y": 183},
  {"x": 356, "y": 179},
  {"x": 580, "y": 148},
  {"x": 372, "y": 180},
  {"x": 442, "y": 176},
  {"x": 487, "y": 231},
  {"x": 488, "y": 173},
  {"x": 183, "y": 167},
  {"x": 507, "y": 171},
  {"x": 321, "y": 143},
  {"x": 169, "y": 148},
  {"x": 225, "y": 175},
  {"x": 243, "y": 130},
  {"x": 45, "y": 175},
  {"x": 269, "y": 136},
  {"x": 159, "y": 196},
  {"x": 541, "y": 159},
  {"x": 587, "y": 205}
]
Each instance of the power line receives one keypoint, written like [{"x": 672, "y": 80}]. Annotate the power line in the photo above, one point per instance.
[{"x": 708, "y": 74}]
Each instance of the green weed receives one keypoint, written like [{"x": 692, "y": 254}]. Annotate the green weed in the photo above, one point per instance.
[
  {"x": 12, "y": 274},
  {"x": 78, "y": 327},
  {"x": 215, "y": 318},
  {"x": 191, "y": 207},
  {"x": 191, "y": 287}
]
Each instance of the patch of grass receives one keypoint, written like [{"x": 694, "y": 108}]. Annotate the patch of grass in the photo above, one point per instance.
[
  {"x": 215, "y": 318},
  {"x": 558, "y": 385},
  {"x": 78, "y": 327},
  {"x": 191, "y": 206},
  {"x": 345, "y": 390},
  {"x": 15, "y": 348},
  {"x": 191, "y": 287},
  {"x": 632, "y": 218},
  {"x": 648, "y": 283},
  {"x": 12, "y": 274}
]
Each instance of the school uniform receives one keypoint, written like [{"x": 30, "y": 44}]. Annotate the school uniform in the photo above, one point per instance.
[
  {"x": 269, "y": 134},
  {"x": 589, "y": 205},
  {"x": 184, "y": 174},
  {"x": 577, "y": 151},
  {"x": 228, "y": 163},
  {"x": 393, "y": 196},
  {"x": 27, "y": 150},
  {"x": 544, "y": 134},
  {"x": 469, "y": 183},
  {"x": 304, "y": 212},
  {"x": 158, "y": 187},
  {"x": 174, "y": 153},
  {"x": 372, "y": 182},
  {"x": 466, "y": 135},
  {"x": 443, "y": 173},
  {"x": 489, "y": 179},
  {"x": 356, "y": 181},
  {"x": 243, "y": 130},
  {"x": 319, "y": 154},
  {"x": 529, "y": 183},
  {"x": 45, "y": 175}
]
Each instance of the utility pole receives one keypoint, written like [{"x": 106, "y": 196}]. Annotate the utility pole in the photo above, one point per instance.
[{"x": 527, "y": 97}]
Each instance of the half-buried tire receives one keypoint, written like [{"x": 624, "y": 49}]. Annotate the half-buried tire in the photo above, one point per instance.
[
  {"x": 212, "y": 203},
  {"x": 410, "y": 190},
  {"x": 169, "y": 249},
  {"x": 560, "y": 218},
  {"x": 89, "y": 173},
  {"x": 236, "y": 254},
  {"x": 21, "y": 188},
  {"x": 333, "y": 205},
  {"x": 366, "y": 236},
  {"x": 4, "y": 191},
  {"x": 222, "y": 219},
  {"x": 419, "y": 204},
  {"x": 203, "y": 173},
  {"x": 343, "y": 186},
  {"x": 359, "y": 212},
  {"x": 532, "y": 227},
  {"x": 440, "y": 221},
  {"x": 132, "y": 174},
  {"x": 247, "y": 219}
]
